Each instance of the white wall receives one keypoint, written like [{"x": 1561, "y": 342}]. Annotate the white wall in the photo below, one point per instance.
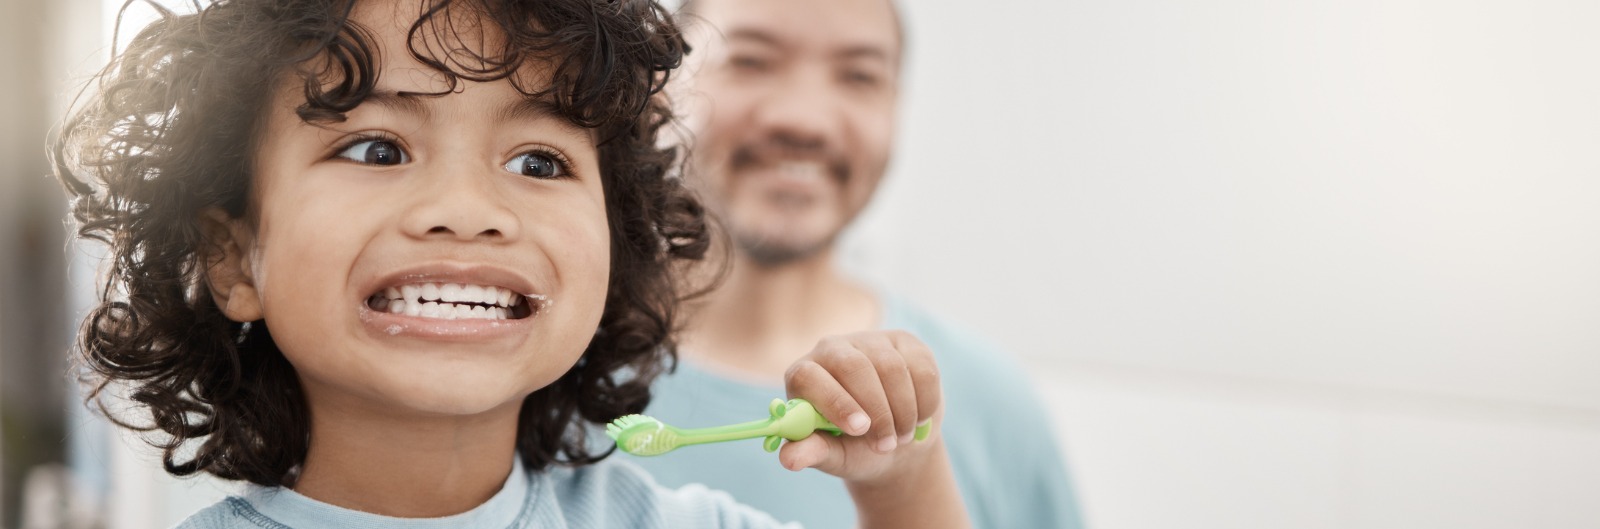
[
  {"x": 1310, "y": 264},
  {"x": 1322, "y": 263}
]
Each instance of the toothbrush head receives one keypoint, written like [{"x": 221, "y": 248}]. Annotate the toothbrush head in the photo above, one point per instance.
[{"x": 642, "y": 435}]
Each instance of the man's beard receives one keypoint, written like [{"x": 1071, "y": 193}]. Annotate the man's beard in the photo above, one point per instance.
[
  {"x": 765, "y": 245},
  {"x": 772, "y": 252}
]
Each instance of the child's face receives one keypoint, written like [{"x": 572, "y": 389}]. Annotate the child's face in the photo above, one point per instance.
[{"x": 477, "y": 188}]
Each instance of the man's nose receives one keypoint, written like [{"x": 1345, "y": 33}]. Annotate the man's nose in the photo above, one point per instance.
[{"x": 804, "y": 110}]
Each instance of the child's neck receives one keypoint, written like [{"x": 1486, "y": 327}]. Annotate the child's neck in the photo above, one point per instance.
[
  {"x": 761, "y": 319},
  {"x": 405, "y": 466}
]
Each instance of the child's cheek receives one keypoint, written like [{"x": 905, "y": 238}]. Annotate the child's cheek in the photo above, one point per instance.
[{"x": 583, "y": 258}]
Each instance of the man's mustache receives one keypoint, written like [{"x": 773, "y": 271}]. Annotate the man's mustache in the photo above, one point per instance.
[{"x": 763, "y": 152}]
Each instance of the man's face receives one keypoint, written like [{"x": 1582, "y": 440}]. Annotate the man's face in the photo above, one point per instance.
[{"x": 793, "y": 108}]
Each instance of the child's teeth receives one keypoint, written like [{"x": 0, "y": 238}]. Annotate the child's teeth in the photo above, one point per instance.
[{"x": 448, "y": 301}]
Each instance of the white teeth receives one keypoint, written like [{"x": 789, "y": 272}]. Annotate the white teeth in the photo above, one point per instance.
[
  {"x": 449, "y": 301},
  {"x": 801, "y": 170},
  {"x": 472, "y": 294}
]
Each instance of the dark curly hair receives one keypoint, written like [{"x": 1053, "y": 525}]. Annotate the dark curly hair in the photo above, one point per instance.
[{"x": 143, "y": 157}]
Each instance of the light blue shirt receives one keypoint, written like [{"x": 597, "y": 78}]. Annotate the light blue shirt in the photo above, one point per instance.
[
  {"x": 1007, "y": 462},
  {"x": 606, "y": 495}
]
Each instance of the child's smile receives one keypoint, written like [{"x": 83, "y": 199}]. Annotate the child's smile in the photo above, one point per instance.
[
  {"x": 454, "y": 301},
  {"x": 445, "y": 301}
]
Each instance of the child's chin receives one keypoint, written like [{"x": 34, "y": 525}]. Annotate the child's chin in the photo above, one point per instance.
[
  {"x": 459, "y": 393},
  {"x": 460, "y": 402}
]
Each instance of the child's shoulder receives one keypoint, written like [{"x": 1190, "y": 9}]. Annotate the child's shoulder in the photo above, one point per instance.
[{"x": 232, "y": 512}]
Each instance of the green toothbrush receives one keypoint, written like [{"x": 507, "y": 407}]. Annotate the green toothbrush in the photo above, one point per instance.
[{"x": 794, "y": 420}]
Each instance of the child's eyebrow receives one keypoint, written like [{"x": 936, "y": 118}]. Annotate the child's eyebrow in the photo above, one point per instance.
[
  {"x": 521, "y": 109},
  {"x": 538, "y": 109},
  {"x": 402, "y": 102}
]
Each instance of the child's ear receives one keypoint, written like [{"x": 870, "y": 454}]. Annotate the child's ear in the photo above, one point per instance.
[{"x": 229, "y": 273}]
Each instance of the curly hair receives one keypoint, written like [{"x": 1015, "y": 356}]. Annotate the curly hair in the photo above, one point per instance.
[{"x": 145, "y": 155}]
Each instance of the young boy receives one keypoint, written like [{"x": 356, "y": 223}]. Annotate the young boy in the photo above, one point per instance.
[{"x": 388, "y": 261}]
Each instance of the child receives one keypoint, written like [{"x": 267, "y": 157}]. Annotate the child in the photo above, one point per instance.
[{"x": 389, "y": 261}]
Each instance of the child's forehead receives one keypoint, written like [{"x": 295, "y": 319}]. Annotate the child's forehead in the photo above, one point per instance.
[
  {"x": 461, "y": 35},
  {"x": 417, "y": 50}
]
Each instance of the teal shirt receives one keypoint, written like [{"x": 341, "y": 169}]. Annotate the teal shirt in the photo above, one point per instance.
[
  {"x": 607, "y": 495},
  {"x": 1007, "y": 462}
]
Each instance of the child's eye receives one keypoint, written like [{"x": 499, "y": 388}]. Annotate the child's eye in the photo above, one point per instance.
[
  {"x": 375, "y": 152},
  {"x": 537, "y": 164}
]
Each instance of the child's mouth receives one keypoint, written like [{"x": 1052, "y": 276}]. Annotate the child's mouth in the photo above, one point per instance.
[{"x": 455, "y": 301}]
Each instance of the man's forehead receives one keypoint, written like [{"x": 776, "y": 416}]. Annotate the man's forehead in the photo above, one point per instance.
[{"x": 836, "y": 25}]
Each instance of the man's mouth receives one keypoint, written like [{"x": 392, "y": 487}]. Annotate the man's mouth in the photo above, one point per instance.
[
  {"x": 799, "y": 165},
  {"x": 455, "y": 301},
  {"x": 801, "y": 171}
]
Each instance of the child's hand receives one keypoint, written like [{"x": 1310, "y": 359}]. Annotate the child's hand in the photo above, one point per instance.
[{"x": 877, "y": 387}]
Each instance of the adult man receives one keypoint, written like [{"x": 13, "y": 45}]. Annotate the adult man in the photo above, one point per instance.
[{"x": 792, "y": 106}]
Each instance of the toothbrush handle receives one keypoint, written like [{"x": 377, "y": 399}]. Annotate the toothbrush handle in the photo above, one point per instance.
[
  {"x": 794, "y": 420},
  {"x": 732, "y": 432}
]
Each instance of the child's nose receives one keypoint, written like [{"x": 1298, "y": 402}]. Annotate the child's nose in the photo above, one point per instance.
[{"x": 465, "y": 207}]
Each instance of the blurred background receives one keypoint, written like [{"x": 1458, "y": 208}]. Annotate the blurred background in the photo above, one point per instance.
[{"x": 1312, "y": 264}]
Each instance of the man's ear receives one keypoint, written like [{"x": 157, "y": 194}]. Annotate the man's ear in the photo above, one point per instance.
[{"x": 228, "y": 267}]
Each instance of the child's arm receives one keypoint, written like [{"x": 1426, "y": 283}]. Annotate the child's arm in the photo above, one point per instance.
[{"x": 877, "y": 387}]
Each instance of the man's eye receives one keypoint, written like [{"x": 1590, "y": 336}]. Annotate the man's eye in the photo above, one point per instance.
[
  {"x": 749, "y": 63},
  {"x": 537, "y": 165},
  {"x": 375, "y": 152},
  {"x": 861, "y": 78}
]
